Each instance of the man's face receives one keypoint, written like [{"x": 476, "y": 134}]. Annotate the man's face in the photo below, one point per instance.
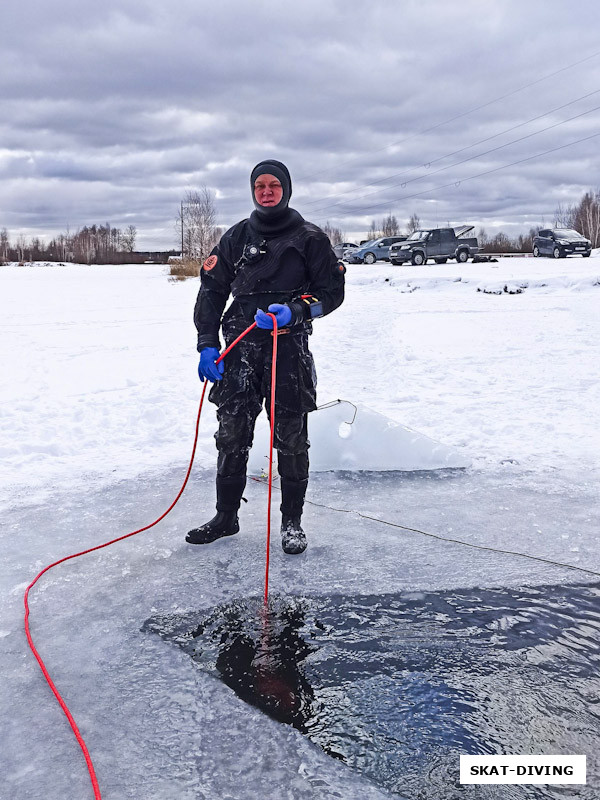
[{"x": 267, "y": 190}]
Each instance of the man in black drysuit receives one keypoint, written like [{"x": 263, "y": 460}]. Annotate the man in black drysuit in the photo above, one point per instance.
[{"x": 278, "y": 262}]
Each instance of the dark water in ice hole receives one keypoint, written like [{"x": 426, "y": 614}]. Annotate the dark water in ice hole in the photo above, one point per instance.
[{"x": 397, "y": 686}]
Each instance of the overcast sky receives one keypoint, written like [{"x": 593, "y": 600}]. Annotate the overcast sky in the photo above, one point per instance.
[{"x": 112, "y": 110}]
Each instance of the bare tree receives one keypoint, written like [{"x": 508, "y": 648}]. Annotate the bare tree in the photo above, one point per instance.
[
  {"x": 61, "y": 246},
  {"x": 21, "y": 247},
  {"x": 373, "y": 232},
  {"x": 564, "y": 216},
  {"x": 127, "y": 239},
  {"x": 584, "y": 217},
  {"x": 414, "y": 223},
  {"x": 524, "y": 242},
  {"x": 197, "y": 224},
  {"x": 501, "y": 243},
  {"x": 94, "y": 244},
  {"x": 36, "y": 249},
  {"x": 336, "y": 235},
  {"x": 389, "y": 226},
  {"x": 4, "y": 245},
  {"x": 587, "y": 217}
]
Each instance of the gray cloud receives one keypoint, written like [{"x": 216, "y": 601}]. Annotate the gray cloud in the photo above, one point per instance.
[{"x": 111, "y": 111}]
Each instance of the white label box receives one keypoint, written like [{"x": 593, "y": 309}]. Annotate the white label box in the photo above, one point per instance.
[{"x": 523, "y": 769}]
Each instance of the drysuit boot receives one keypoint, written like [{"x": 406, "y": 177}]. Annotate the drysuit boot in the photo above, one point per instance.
[
  {"x": 293, "y": 538},
  {"x": 225, "y": 522}
]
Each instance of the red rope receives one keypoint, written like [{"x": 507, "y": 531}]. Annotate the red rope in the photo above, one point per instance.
[
  {"x": 61, "y": 702},
  {"x": 39, "y": 659},
  {"x": 272, "y": 415}
]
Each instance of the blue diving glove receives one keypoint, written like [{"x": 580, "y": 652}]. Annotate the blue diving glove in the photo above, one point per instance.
[
  {"x": 283, "y": 315},
  {"x": 207, "y": 367}
]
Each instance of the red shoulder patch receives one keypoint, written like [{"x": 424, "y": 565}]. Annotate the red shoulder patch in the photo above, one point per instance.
[{"x": 209, "y": 263}]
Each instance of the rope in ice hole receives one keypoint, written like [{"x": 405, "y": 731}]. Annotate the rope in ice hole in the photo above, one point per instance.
[
  {"x": 61, "y": 702},
  {"x": 39, "y": 659}
]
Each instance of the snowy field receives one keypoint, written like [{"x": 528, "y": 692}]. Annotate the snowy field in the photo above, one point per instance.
[
  {"x": 498, "y": 361},
  {"x": 100, "y": 383}
]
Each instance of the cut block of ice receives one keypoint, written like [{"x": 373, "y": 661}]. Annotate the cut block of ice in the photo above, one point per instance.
[{"x": 344, "y": 436}]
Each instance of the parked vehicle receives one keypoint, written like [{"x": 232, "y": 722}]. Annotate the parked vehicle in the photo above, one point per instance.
[
  {"x": 339, "y": 249},
  {"x": 351, "y": 258},
  {"x": 437, "y": 243},
  {"x": 375, "y": 250},
  {"x": 560, "y": 243}
]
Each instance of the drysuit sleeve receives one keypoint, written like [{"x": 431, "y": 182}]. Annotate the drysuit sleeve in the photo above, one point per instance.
[
  {"x": 325, "y": 281},
  {"x": 216, "y": 276}
]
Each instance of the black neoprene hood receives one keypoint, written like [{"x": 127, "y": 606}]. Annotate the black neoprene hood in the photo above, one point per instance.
[{"x": 280, "y": 171}]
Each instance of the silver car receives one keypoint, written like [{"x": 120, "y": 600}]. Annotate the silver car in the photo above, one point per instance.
[
  {"x": 376, "y": 250},
  {"x": 340, "y": 249}
]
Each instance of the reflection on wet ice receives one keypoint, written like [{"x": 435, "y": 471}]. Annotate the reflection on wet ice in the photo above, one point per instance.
[
  {"x": 261, "y": 659},
  {"x": 397, "y": 686}
]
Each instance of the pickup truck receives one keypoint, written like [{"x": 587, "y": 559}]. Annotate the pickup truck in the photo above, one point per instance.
[{"x": 437, "y": 243}]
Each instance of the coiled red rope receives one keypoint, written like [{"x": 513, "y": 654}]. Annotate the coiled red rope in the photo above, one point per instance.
[{"x": 46, "y": 674}]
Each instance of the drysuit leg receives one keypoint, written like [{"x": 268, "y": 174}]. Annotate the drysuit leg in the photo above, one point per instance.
[
  {"x": 238, "y": 397},
  {"x": 291, "y": 441},
  {"x": 296, "y": 396},
  {"x": 231, "y": 462}
]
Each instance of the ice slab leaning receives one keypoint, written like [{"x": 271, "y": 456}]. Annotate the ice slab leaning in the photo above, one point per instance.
[{"x": 345, "y": 436}]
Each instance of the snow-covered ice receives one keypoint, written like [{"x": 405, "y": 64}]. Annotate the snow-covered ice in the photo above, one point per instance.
[
  {"x": 100, "y": 380},
  {"x": 97, "y": 408}
]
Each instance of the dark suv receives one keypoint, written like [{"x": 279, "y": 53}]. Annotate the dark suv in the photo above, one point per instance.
[{"x": 560, "y": 242}]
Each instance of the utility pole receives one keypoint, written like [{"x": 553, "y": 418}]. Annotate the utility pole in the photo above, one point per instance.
[{"x": 181, "y": 212}]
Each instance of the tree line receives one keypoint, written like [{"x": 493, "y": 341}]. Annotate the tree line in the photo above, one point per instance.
[
  {"x": 197, "y": 233},
  {"x": 388, "y": 226},
  {"x": 94, "y": 244},
  {"x": 583, "y": 217}
]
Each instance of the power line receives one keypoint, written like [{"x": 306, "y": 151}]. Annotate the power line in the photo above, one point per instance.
[
  {"x": 427, "y": 164},
  {"x": 453, "y": 119},
  {"x": 471, "y": 158},
  {"x": 458, "y": 182}
]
